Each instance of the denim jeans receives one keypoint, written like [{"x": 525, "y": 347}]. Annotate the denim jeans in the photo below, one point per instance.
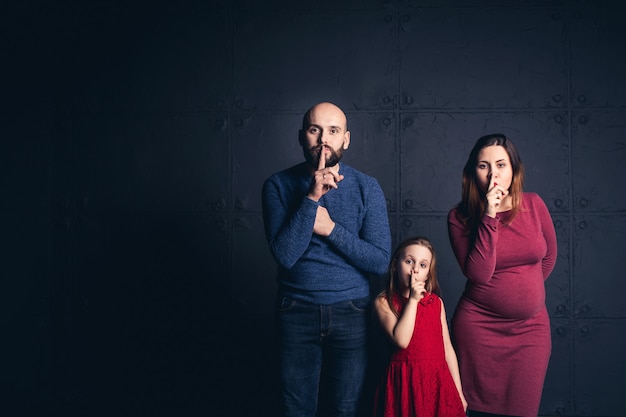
[{"x": 310, "y": 336}]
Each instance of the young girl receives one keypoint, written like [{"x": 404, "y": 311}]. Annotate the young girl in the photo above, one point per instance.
[{"x": 422, "y": 378}]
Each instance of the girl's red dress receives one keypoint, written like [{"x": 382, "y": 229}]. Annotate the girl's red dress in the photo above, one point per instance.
[{"x": 418, "y": 381}]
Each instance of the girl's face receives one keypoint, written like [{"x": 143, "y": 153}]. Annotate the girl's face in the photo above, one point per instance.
[
  {"x": 493, "y": 165},
  {"x": 414, "y": 259}
]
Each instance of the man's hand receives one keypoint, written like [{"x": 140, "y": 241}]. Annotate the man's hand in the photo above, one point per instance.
[
  {"x": 324, "y": 225},
  {"x": 324, "y": 178}
]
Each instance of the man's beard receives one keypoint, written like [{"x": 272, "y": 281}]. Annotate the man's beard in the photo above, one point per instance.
[{"x": 312, "y": 156}]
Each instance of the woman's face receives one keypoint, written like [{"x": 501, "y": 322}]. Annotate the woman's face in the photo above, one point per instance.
[{"x": 493, "y": 166}]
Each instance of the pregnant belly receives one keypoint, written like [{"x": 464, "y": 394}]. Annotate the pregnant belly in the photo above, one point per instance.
[{"x": 514, "y": 296}]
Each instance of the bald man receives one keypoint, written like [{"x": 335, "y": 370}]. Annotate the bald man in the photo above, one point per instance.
[{"x": 327, "y": 228}]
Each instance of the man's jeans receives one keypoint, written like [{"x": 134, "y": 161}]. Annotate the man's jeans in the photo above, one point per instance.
[{"x": 311, "y": 334}]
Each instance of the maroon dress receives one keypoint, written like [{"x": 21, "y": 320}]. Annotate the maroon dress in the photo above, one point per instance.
[
  {"x": 418, "y": 381},
  {"x": 501, "y": 328}
]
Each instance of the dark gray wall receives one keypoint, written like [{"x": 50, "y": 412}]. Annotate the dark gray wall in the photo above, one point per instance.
[{"x": 135, "y": 139}]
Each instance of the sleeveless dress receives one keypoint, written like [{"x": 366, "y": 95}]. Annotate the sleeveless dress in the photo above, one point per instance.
[{"x": 418, "y": 382}]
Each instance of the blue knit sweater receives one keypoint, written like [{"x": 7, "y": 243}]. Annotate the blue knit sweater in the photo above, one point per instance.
[{"x": 326, "y": 270}]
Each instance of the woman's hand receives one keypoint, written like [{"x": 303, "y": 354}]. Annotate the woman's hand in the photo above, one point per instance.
[{"x": 495, "y": 195}]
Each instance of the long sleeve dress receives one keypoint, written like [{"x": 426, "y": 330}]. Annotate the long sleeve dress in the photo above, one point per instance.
[{"x": 501, "y": 327}]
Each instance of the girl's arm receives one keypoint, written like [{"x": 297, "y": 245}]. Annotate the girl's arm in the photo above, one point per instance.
[
  {"x": 399, "y": 329},
  {"x": 451, "y": 358}
]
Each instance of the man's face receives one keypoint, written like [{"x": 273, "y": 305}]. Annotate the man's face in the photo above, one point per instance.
[{"x": 325, "y": 132}]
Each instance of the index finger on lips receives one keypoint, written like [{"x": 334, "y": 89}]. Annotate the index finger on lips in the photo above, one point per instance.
[{"x": 322, "y": 163}]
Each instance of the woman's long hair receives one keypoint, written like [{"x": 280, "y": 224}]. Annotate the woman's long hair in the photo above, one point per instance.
[
  {"x": 393, "y": 281},
  {"x": 473, "y": 205}
]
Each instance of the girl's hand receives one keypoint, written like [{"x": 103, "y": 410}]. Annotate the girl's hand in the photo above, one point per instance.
[
  {"x": 495, "y": 195},
  {"x": 418, "y": 288}
]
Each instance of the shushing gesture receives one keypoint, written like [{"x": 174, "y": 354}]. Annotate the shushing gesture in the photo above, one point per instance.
[
  {"x": 417, "y": 287},
  {"x": 495, "y": 194},
  {"x": 324, "y": 179}
]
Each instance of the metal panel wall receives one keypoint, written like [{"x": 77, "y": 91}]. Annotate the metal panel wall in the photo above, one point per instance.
[{"x": 136, "y": 138}]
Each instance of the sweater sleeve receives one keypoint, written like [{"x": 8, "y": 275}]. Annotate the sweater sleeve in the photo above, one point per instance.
[
  {"x": 477, "y": 259},
  {"x": 370, "y": 249},
  {"x": 288, "y": 232}
]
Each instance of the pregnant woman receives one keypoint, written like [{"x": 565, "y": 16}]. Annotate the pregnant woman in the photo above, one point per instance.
[{"x": 505, "y": 243}]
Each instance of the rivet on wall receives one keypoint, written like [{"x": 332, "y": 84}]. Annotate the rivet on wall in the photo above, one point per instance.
[
  {"x": 219, "y": 124},
  {"x": 240, "y": 224},
  {"x": 218, "y": 204},
  {"x": 221, "y": 224}
]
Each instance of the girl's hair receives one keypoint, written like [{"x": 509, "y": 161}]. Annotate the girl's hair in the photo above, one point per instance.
[
  {"x": 472, "y": 205},
  {"x": 393, "y": 283}
]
